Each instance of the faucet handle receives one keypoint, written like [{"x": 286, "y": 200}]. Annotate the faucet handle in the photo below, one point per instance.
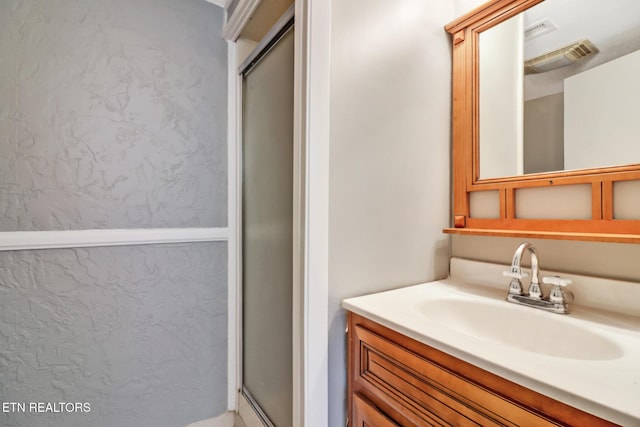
[
  {"x": 556, "y": 281},
  {"x": 515, "y": 286},
  {"x": 558, "y": 293},
  {"x": 515, "y": 272}
]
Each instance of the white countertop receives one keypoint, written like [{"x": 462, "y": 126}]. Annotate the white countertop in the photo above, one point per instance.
[{"x": 600, "y": 382}]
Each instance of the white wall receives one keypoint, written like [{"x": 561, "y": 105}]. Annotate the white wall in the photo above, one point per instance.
[
  {"x": 600, "y": 111},
  {"x": 463, "y": 6},
  {"x": 390, "y": 157},
  {"x": 614, "y": 260},
  {"x": 501, "y": 99}
]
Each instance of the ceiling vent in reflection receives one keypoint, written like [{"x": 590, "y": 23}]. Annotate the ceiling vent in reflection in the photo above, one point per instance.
[
  {"x": 560, "y": 58},
  {"x": 538, "y": 29}
]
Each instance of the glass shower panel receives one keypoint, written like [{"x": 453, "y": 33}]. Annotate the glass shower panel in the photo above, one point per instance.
[{"x": 267, "y": 232}]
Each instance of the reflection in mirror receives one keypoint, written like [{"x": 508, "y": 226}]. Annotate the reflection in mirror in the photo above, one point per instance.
[{"x": 559, "y": 88}]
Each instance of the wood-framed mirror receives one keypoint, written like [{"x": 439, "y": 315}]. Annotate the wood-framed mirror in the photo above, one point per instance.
[{"x": 515, "y": 62}]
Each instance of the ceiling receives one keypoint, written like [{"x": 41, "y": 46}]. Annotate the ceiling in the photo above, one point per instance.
[
  {"x": 612, "y": 25},
  {"x": 266, "y": 14},
  {"x": 217, "y": 2}
]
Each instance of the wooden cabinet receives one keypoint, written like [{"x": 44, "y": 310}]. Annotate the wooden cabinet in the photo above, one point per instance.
[
  {"x": 397, "y": 381},
  {"x": 367, "y": 415}
]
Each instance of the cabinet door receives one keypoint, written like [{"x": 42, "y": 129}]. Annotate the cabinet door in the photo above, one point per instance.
[{"x": 367, "y": 415}]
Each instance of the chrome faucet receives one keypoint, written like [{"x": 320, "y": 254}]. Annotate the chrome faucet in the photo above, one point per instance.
[
  {"x": 558, "y": 300},
  {"x": 516, "y": 273}
]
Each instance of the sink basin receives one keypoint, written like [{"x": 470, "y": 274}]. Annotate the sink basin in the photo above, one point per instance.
[{"x": 524, "y": 328}]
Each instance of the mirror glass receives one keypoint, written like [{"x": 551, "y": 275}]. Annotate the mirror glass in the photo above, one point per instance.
[{"x": 559, "y": 88}]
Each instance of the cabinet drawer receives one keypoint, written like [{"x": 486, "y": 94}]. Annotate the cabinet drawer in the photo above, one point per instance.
[
  {"x": 368, "y": 415},
  {"x": 431, "y": 393}
]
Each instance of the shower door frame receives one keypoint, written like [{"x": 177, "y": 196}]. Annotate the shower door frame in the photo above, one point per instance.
[
  {"x": 311, "y": 183},
  {"x": 283, "y": 27}
]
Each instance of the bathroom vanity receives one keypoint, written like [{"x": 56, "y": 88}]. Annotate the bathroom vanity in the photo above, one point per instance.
[
  {"x": 395, "y": 380},
  {"x": 455, "y": 352}
]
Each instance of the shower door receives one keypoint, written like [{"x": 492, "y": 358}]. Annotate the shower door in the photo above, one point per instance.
[{"x": 267, "y": 230}]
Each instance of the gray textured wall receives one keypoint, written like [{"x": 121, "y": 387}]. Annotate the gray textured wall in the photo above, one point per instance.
[
  {"x": 111, "y": 114},
  {"x": 544, "y": 134},
  {"x": 138, "y": 332}
]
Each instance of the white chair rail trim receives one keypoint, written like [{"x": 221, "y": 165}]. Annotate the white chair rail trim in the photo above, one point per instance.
[{"x": 27, "y": 240}]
